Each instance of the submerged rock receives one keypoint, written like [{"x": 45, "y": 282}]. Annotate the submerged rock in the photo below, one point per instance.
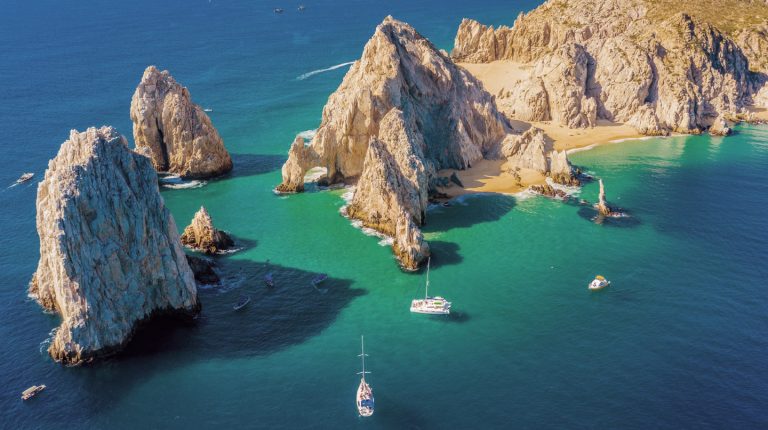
[
  {"x": 110, "y": 254},
  {"x": 174, "y": 132},
  {"x": 201, "y": 235}
]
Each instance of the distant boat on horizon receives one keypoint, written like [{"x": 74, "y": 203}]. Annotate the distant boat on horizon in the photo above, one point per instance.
[{"x": 364, "y": 399}]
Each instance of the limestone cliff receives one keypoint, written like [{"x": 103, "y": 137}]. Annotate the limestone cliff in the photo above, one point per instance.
[
  {"x": 201, "y": 235},
  {"x": 403, "y": 112},
  {"x": 391, "y": 195},
  {"x": 647, "y": 63},
  {"x": 400, "y": 69},
  {"x": 174, "y": 132},
  {"x": 110, "y": 254}
]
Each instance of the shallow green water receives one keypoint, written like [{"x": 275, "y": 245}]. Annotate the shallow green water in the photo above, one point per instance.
[{"x": 678, "y": 340}]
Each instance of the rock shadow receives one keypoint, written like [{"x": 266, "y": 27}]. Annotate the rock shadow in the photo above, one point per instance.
[
  {"x": 443, "y": 254},
  {"x": 468, "y": 210},
  {"x": 287, "y": 314},
  {"x": 254, "y": 164}
]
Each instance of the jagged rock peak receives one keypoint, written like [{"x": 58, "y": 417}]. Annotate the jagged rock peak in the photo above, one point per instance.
[
  {"x": 201, "y": 235},
  {"x": 173, "y": 131},
  {"x": 647, "y": 63},
  {"x": 457, "y": 119},
  {"x": 110, "y": 254},
  {"x": 391, "y": 195},
  {"x": 602, "y": 204}
]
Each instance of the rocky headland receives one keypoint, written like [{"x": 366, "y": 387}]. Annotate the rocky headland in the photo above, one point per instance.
[
  {"x": 173, "y": 132},
  {"x": 202, "y": 236},
  {"x": 110, "y": 254},
  {"x": 660, "y": 66},
  {"x": 404, "y": 112}
]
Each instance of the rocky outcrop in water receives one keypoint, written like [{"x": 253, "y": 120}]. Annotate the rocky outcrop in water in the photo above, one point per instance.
[
  {"x": 174, "y": 132},
  {"x": 403, "y": 112},
  {"x": 202, "y": 236},
  {"x": 635, "y": 61},
  {"x": 400, "y": 69},
  {"x": 110, "y": 255},
  {"x": 391, "y": 195},
  {"x": 602, "y": 205}
]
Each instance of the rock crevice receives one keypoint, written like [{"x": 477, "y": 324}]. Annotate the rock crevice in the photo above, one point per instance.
[{"x": 110, "y": 255}]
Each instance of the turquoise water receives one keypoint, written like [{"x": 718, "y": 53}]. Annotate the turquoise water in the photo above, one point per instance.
[{"x": 678, "y": 340}]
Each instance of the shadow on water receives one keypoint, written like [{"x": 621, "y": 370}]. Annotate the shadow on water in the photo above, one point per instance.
[
  {"x": 254, "y": 164},
  {"x": 398, "y": 414},
  {"x": 469, "y": 210},
  {"x": 458, "y": 317},
  {"x": 277, "y": 317},
  {"x": 443, "y": 254}
]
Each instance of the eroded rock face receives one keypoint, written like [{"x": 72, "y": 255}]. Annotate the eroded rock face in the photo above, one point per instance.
[
  {"x": 174, "y": 132},
  {"x": 403, "y": 112},
  {"x": 624, "y": 61},
  {"x": 202, "y": 236},
  {"x": 391, "y": 195},
  {"x": 110, "y": 254},
  {"x": 400, "y": 69}
]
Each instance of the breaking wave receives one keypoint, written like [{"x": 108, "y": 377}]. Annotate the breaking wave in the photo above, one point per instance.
[{"x": 175, "y": 182}]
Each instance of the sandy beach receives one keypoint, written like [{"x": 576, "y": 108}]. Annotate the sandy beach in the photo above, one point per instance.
[{"x": 489, "y": 176}]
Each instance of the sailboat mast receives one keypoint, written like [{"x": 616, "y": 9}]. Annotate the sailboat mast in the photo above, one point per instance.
[
  {"x": 426, "y": 288},
  {"x": 362, "y": 353}
]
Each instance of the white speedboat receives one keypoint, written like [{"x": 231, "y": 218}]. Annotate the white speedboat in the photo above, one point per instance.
[
  {"x": 599, "y": 283},
  {"x": 430, "y": 305},
  {"x": 364, "y": 398},
  {"x": 32, "y": 391},
  {"x": 24, "y": 178}
]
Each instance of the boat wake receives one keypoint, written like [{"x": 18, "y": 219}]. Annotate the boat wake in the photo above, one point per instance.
[
  {"x": 317, "y": 72},
  {"x": 175, "y": 182}
]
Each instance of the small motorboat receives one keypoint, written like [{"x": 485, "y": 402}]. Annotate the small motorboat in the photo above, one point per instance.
[
  {"x": 25, "y": 177},
  {"x": 269, "y": 280},
  {"x": 599, "y": 283},
  {"x": 207, "y": 110},
  {"x": 364, "y": 398},
  {"x": 279, "y": 10},
  {"x": 32, "y": 391},
  {"x": 301, "y": 8},
  {"x": 241, "y": 302},
  {"x": 317, "y": 280},
  {"x": 430, "y": 305}
]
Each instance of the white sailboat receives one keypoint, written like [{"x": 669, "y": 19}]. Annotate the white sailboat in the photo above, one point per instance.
[
  {"x": 364, "y": 398},
  {"x": 430, "y": 305}
]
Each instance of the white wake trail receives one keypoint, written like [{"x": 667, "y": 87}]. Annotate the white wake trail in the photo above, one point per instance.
[{"x": 316, "y": 72}]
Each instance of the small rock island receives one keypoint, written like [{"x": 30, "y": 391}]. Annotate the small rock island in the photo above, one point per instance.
[
  {"x": 173, "y": 132},
  {"x": 110, "y": 254},
  {"x": 202, "y": 236}
]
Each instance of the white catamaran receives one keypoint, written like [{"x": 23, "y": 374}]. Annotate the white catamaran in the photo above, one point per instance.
[
  {"x": 364, "y": 397},
  {"x": 430, "y": 305}
]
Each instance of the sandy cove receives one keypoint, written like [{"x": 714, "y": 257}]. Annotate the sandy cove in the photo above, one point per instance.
[{"x": 489, "y": 176}]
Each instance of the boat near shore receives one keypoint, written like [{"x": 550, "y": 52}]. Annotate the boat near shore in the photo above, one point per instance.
[{"x": 430, "y": 305}]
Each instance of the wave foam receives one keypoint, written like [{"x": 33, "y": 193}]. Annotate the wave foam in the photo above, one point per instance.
[{"x": 317, "y": 72}]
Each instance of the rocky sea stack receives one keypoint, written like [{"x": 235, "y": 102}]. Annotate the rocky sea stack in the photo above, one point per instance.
[
  {"x": 661, "y": 66},
  {"x": 403, "y": 112},
  {"x": 110, "y": 255},
  {"x": 174, "y": 132},
  {"x": 202, "y": 236}
]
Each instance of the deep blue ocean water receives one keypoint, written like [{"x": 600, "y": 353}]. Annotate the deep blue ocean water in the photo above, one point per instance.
[{"x": 678, "y": 340}]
